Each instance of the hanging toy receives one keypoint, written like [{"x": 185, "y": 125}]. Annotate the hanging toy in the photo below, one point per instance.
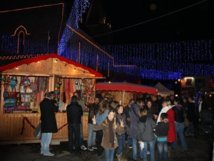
[
  {"x": 6, "y": 82},
  {"x": 13, "y": 83},
  {"x": 26, "y": 84}
]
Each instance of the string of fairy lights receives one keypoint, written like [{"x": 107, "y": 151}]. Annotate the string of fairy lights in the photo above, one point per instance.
[
  {"x": 161, "y": 61},
  {"x": 78, "y": 8}
]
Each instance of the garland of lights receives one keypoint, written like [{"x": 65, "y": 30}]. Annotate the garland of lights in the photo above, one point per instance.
[{"x": 18, "y": 57}]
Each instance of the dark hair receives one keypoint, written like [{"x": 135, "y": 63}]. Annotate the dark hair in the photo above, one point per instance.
[
  {"x": 143, "y": 112},
  {"x": 177, "y": 100},
  {"x": 74, "y": 99},
  {"x": 103, "y": 105},
  {"x": 117, "y": 107},
  {"x": 49, "y": 94},
  {"x": 166, "y": 100},
  {"x": 139, "y": 100},
  {"x": 112, "y": 110},
  {"x": 164, "y": 115}
]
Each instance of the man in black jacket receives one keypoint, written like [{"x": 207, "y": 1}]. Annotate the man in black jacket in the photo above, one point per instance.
[
  {"x": 48, "y": 123},
  {"x": 74, "y": 115},
  {"x": 179, "y": 124}
]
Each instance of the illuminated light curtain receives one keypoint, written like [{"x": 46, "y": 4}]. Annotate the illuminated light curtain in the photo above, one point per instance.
[
  {"x": 78, "y": 8},
  {"x": 8, "y": 44},
  {"x": 167, "y": 60}
]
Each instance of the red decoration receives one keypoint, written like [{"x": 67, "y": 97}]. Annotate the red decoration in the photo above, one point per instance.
[{"x": 123, "y": 86}]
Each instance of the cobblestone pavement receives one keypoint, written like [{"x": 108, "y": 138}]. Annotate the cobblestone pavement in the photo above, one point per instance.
[{"x": 200, "y": 149}]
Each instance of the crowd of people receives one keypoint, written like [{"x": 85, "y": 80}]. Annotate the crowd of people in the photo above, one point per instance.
[{"x": 148, "y": 125}]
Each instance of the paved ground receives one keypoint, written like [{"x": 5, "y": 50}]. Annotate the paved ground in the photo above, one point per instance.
[{"x": 200, "y": 149}]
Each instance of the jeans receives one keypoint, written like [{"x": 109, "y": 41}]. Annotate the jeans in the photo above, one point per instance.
[
  {"x": 121, "y": 143},
  {"x": 109, "y": 154},
  {"x": 143, "y": 153},
  {"x": 162, "y": 151},
  {"x": 129, "y": 139},
  {"x": 81, "y": 135},
  {"x": 91, "y": 135},
  {"x": 180, "y": 135},
  {"x": 134, "y": 149},
  {"x": 99, "y": 136},
  {"x": 45, "y": 142},
  {"x": 74, "y": 137}
]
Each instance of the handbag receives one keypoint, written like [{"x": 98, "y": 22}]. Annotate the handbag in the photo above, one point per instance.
[{"x": 37, "y": 131}]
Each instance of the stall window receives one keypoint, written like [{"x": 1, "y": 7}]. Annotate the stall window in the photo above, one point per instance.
[
  {"x": 65, "y": 89},
  {"x": 22, "y": 93}
]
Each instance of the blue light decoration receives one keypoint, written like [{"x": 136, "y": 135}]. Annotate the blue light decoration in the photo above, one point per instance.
[
  {"x": 167, "y": 60},
  {"x": 32, "y": 45},
  {"x": 78, "y": 8},
  {"x": 157, "y": 61},
  {"x": 160, "y": 75}
]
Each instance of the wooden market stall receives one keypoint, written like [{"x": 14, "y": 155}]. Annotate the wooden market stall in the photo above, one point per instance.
[
  {"x": 123, "y": 91},
  {"x": 23, "y": 84}
]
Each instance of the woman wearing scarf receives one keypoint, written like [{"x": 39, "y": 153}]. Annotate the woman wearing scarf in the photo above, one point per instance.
[
  {"x": 166, "y": 108},
  {"x": 109, "y": 140}
]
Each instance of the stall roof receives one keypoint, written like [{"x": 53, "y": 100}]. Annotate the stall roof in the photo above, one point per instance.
[
  {"x": 162, "y": 90},
  {"x": 49, "y": 64},
  {"x": 124, "y": 86}
]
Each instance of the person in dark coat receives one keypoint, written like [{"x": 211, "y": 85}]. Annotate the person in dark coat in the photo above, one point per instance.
[
  {"x": 192, "y": 117},
  {"x": 161, "y": 132},
  {"x": 179, "y": 124},
  {"x": 48, "y": 123},
  {"x": 74, "y": 115},
  {"x": 145, "y": 135}
]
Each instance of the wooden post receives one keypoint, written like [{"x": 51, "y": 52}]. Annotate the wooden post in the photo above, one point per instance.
[
  {"x": 51, "y": 83},
  {"x": 123, "y": 97}
]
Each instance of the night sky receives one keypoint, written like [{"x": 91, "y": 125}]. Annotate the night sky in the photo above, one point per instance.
[
  {"x": 131, "y": 21},
  {"x": 157, "y": 20}
]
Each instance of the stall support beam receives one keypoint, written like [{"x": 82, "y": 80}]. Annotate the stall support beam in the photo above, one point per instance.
[{"x": 51, "y": 83}]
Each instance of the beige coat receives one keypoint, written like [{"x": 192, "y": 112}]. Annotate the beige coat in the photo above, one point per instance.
[{"x": 105, "y": 140}]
